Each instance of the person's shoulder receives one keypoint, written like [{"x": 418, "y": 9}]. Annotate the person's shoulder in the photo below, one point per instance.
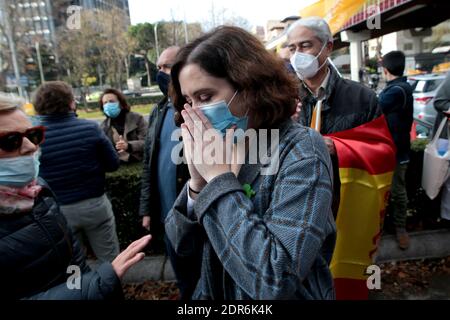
[
  {"x": 165, "y": 100},
  {"x": 48, "y": 196},
  {"x": 356, "y": 86},
  {"x": 86, "y": 127},
  {"x": 88, "y": 124},
  {"x": 134, "y": 116},
  {"x": 397, "y": 89},
  {"x": 303, "y": 142}
]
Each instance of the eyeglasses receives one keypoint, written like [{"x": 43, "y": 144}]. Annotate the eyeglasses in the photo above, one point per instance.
[{"x": 11, "y": 141}]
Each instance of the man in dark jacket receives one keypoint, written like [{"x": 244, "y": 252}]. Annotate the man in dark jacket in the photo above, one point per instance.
[
  {"x": 75, "y": 156},
  {"x": 162, "y": 179},
  {"x": 329, "y": 103},
  {"x": 396, "y": 102}
]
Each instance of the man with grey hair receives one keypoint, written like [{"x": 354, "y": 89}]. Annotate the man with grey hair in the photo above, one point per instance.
[
  {"x": 345, "y": 104},
  {"x": 329, "y": 102}
]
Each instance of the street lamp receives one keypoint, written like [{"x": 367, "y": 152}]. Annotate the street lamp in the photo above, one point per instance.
[
  {"x": 155, "y": 29},
  {"x": 41, "y": 70}
]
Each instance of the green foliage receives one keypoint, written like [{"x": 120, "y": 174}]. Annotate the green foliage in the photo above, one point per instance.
[
  {"x": 123, "y": 189},
  {"x": 131, "y": 101},
  {"x": 143, "y": 34},
  {"x": 419, "y": 145}
]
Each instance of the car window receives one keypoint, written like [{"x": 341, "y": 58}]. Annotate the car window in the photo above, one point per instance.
[
  {"x": 412, "y": 83},
  {"x": 420, "y": 86},
  {"x": 433, "y": 85}
]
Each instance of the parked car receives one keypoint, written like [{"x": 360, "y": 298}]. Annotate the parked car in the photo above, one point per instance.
[{"x": 425, "y": 88}]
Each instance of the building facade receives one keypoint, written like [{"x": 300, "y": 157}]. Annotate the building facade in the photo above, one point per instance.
[{"x": 42, "y": 18}]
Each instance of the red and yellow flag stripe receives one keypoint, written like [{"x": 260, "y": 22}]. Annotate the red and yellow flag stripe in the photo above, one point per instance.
[{"x": 366, "y": 164}]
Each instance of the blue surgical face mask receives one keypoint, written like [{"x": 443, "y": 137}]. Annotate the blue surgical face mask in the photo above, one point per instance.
[
  {"x": 221, "y": 118},
  {"x": 112, "y": 109},
  {"x": 19, "y": 171}
]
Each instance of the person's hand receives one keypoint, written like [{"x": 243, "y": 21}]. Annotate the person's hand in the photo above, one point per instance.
[
  {"x": 196, "y": 182},
  {"x": 447, "y": 114},
  {"x": 130, "y": 256},
  {"x": 296, "y": 115},
  {"x": 330, "y": 145},
  {"x": 121, "y": 145},
  {"x": 146, "y": 222},
  {"x": 195, "y": 122}
]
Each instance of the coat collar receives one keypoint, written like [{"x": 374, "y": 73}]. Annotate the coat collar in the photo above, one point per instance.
[
  {"x": 396, "y": 80},
  {"x": 333, "y": 79}
]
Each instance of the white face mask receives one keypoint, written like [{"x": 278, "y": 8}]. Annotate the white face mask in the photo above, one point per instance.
[{"x": 306, "y": 65}]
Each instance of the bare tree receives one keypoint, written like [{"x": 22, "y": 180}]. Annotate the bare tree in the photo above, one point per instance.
[
  {"x": 114, "y": 45},
  {"x": 221, "y": 16},
  {"x": 101, "y": 44},
  {"x": 79, "y": 52}
]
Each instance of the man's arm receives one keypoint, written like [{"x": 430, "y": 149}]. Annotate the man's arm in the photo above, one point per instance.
[{"x": 144, "y": 203}]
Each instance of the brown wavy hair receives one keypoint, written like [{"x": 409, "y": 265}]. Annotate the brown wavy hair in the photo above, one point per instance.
[
  {"x": 53, "y": 97},
  {"x": 120, "y": 96},
  {"x": 231, "y": 53}
]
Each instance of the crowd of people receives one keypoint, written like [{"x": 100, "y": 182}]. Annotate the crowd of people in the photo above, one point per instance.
[{"x": 273, "y": 239}]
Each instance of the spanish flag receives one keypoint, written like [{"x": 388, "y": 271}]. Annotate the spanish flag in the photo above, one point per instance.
[{"x": 366, "y": 164}]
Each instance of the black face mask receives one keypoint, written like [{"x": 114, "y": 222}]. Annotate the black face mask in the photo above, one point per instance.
[{"x": 163, "y": 80}]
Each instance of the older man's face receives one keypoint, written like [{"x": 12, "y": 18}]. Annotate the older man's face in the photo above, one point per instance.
[
  {"x": 304, "y": 40},
  {"x": 167, "y": 59}
]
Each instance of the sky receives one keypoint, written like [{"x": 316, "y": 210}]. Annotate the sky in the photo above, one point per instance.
[{"x": 257, "y": 12}]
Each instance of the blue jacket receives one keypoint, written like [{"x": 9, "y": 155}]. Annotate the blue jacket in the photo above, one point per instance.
[
  {"x": 75, "y": 156},
  {"x": 397, "y": 103},
  {"x": 276, "y": 245},
  {"x": 36, "y": 249}
]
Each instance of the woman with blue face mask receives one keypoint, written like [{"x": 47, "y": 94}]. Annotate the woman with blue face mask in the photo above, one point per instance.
[
  {"x": 36, "y": 245},
  {"x": 265, "y": 228},
  {"x": 125, "y": 129}
]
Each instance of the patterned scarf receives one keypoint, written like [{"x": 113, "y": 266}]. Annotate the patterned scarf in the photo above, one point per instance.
[{"x": 18, "y": 200}]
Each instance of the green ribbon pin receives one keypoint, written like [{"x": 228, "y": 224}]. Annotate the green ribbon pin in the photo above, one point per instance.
[{"x": 249, "y": 192}]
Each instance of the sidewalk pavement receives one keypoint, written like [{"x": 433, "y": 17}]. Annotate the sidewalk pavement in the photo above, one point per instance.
[
  {"x": 155, "y": 268},
  {"x": 424, "y": 245}
]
